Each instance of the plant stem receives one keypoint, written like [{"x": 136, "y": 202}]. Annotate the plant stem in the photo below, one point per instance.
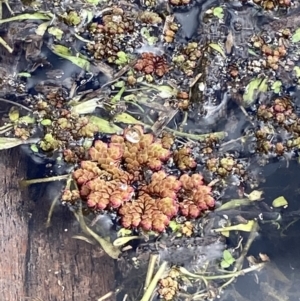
[
  {"x": 25, "y": 183},
  {"x": 152, "y": 262},
  {"x": 154, "y": 282},
  {"x": 15, "y": 104},
  {"x": 202, "y": 137}
]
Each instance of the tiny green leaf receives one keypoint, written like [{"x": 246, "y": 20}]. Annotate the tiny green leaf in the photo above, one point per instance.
[
  {"x": 296, "y": 36},
  {"x": 276, "y": 86},
  {"x": 46, "y": 122},
  {"x": 280, "y": 202},
  {"x": 34, "y": 148},
  {"x": 174, "y": 226},
  {"x": 228, "y": 260},
  {"x": 218, "y": 12},
  {"x": 14, "y": 114},
  {"x": 297, "y": 71},
  {"x": 55, "y": 31}
]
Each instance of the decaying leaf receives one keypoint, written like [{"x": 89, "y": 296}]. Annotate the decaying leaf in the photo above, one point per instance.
[
  {"x": 280, "y": 202},
  {"x": 65, "y": 53},
  {"x": 234, "y": 203},
  {"x": 42, "y": 28},
  {"x": 240, "y": 227},
  {"x": 124, "y": 240},
  {"x": 55, "y": 31},
  {"x": 126, "y": 118},
  {"x": 34, "y": 16},
  {"x": 218, "y": 48},
  {"x": 104, "y": 125},
  {"x": 255, "y": 86},
  {"x": 13, "y": 114},
  {"x": 7, "y": 143}
]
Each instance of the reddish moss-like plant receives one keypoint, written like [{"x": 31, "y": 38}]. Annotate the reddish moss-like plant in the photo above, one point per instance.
[
  {"x": 196, "y": 196},
  {"x": 148, "y": 213}
]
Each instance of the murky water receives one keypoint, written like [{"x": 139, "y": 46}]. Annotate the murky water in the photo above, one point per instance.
[{"x": 216, "y": 106}]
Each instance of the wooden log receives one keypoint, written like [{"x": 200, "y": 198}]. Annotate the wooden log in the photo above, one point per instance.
[{"x": 40, "y": 263}]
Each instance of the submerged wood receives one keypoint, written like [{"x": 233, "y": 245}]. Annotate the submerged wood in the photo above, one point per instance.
[{"x": 44, "y": 263}]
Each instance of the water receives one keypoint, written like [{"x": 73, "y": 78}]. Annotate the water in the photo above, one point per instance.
[{"x": 75, "y": 264}]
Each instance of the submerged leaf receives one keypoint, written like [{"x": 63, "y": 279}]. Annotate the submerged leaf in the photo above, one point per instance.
[
  {"x": 104, "y": 125},
  {"x": 218, "y": 48},
  {"x": 42, "y": 28},
  {"x": 7, "y": 143},
  {"x": 255, "y": 195},
  {"x": 256, "y": 85},
  {"x": 280, "y": 202},
  {"x": 240, "y": 227},
  {"x": 65, "y": 53},
  {"x": 34, "y": 16},
  {"x": 124, "y": 240},
  {"x": 126, "y": 118},
  {"x": 233, "y": 204}
]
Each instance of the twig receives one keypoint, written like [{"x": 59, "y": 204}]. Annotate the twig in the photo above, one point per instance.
[
  {"x": 25, "y": 183},
  {"x": 15, "y": 104},
  {"x": 6, "y": 46},
  {"x": 151, "y": 265},
  {"x": 154, "y": 281}
]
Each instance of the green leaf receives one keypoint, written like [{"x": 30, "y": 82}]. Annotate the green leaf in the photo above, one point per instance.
[
  {"x": 55, "y": 31},
  {"x": 276, "y": 86},
  {"x": 280, "y": 202},
  {"x": 218, "y": 12},
  {"x": 72, "y": 18},
  {"x": 252, "y": 52},
  {"x": 104, "y": 126},
  {"x": 26, "y": 120},
  {"x": 234, "y": 203},
  {"x": 297, "y": 71},
  {"x": 126, "y": 118},
  {"x": 240, "y": 227},
  {"x": 65, "y": 53},
  {"x": 296, "y": 36},
  {"x": 218, "y": 48},
  {"x": 146, "y": 34},
  {"x": 174, "y": 226},
  {"x": 6, "y": 142},
  {"x": 124, "y": 240},
  {"x": 34, "y": 148},
  {"x": 42, "y": 28},
  {"x": 256, "y": 85},
  {"x": 24, "y": 74},
  {"x": 14, "y": 114},
  {"x": 122, "y": 59},
  {"x": 34, "y": 16},
  {"x": 46, "y": 122},
  {"x": 228, "y": 260}
]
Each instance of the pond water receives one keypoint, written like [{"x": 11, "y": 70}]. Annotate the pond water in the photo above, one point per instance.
[{"x": 223, "y": 77}]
